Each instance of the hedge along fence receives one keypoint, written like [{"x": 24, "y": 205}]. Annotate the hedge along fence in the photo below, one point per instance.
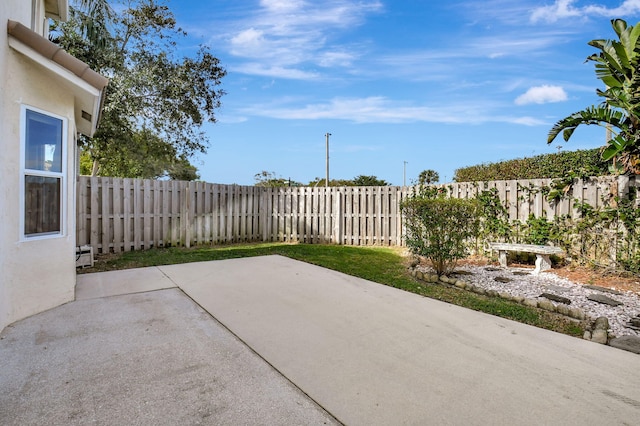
[
  {"x": 584, "y": 215},
  {"x": 116, "y": 214},
  {"x": 523, "y": 198}
]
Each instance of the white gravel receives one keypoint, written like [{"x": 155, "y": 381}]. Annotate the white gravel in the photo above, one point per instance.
[{"x": 531, "y": 286}]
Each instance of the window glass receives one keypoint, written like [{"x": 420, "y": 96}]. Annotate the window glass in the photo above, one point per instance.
[
  {"x": 42, "y": 204},
  {"x": 43, "y": 142},
  {"x": 43, "y": 174}
]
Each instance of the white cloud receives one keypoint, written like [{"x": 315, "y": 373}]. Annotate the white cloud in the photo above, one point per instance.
[
  {"x": 249, "y": 41},
  {"x": 567, "y": 9},
  {"x": 628, "y": 7},
  {"x": 560, "y": 9},
  {"x": 335, "y": 58},
  {"x": 288, "y": 34},
  {"x": 281, "y": 5},
  {"x": 274, "y": 71},
  {"x": 542, "y": 95},
  {"x": 378, "y": 109}
]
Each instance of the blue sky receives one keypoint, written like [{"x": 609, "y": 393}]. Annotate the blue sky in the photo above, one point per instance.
[{"x": 440, "y": 85}]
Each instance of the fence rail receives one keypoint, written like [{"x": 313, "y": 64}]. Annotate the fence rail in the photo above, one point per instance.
[
  {"x": 530, "y": 197},
  {"x": 116, "y": 214}
]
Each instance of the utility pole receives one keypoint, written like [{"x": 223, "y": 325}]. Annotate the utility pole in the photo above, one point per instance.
[
  {"x": 404, "y": 174},
  {"x": 326, "y": 182}
]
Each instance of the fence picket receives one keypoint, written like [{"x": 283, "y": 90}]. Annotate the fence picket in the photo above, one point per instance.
[{"x": 116, "y": 214}]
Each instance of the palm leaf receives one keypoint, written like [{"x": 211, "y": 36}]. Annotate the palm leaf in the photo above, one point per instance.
[
  {"x": 601, "y": 115},
  {"x": 614, "y": 147}
]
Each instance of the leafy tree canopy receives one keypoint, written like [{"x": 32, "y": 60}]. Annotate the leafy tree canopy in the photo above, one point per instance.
[
  {"x": 360, "y": 180},
  {"x": 427, "y": 177},
  {"x": 156, "y": 102},
  {"x": 271, "y": 180}
]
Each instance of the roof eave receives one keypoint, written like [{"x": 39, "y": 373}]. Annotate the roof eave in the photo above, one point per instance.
[{"x": 88, "y": 86}]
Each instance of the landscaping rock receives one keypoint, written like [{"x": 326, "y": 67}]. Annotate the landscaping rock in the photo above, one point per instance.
[
  {"x": 546, "y": 305},
  {"x": 479, "y": 290},
  {"x": 602, "y": 323},
  {"x": 634, "y": 323},
  {"x": 627, "y": 343},
  {"x": 461, "y": 284},
  {"x": 600, "y": 298},
  {"x": 562, "y": 309},
  {"x": 599, "y": 336},
  {"x": 556, "y": 288},
  {"x": 577, "y": 314},
  {"x": 492, "y": 269},
  {"x": 586, "y": 335},
  {"x": 504, "y": 295},
  {"x": 517, "y": 299},
  {"x": 603, "y": 289},
  {"x": 503, "y": 279},
  {"x": 556, "y": 298},
  {"x": 530, "y": 302},
  {"x": 521, "y": 273},
  {"x": 420, "y": 275}
]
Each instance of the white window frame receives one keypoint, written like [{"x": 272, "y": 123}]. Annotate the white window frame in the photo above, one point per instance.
[{"x": 62, "y": 175}]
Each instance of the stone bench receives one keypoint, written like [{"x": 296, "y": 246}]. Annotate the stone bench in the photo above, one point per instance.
[{"x": 542, "y": 253}]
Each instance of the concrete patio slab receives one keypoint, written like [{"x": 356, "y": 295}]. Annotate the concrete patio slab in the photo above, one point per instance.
[
  {"x": 151, "y": 358},
  {"x": 113, "y": 283},
  {"x": 337, "y": 349},
  {"x": 373, "y": 355}
]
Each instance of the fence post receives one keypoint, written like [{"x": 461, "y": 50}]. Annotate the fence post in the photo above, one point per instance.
[
  {"x": 263, "y": 211},
  {"x": 187, "y": 216},
  {"x": 338, "y": 218}
]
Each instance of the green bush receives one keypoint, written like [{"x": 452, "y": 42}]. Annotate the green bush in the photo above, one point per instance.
[
  {"x": 494, "y": 225},
  {"x": 440, "y": 228},
  {"x": 538, "y": 230},
  {"x": 581, "y": 162}
]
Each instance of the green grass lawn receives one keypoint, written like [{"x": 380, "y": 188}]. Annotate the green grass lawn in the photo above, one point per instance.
[{"x": 383, "y": 265}]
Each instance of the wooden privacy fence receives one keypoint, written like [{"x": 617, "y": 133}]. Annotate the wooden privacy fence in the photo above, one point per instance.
[
  {"x": 115, "y": 214},
  {"x": 522, "y": 198}
]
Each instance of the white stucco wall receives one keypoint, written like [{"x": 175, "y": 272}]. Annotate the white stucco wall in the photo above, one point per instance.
[{"x": 38, "y": 274}]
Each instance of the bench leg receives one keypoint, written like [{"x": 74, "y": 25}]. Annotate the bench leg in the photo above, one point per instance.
[
  {"x": 543, "y": 263},
  {"x": 502, "y": 258}
]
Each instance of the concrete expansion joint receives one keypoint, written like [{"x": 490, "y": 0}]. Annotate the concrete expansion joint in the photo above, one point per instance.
[{"x": 256, "y": 353}]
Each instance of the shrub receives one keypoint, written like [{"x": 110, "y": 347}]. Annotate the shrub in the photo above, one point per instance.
[
  {"x": 538, "y": 230},
  {"x": 439, "y": 229},
  {"x": 581, "y": 162},
  {"x": 494, "y": 225}
]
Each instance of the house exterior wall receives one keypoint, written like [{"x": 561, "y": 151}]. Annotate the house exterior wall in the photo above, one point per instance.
[{"x": 39, "y": 273}]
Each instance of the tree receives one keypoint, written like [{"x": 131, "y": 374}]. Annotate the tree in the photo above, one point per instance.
[
  {"x": 155, "y": 104},
  {"x": 270, "y": 180},
  {"x": 362, "y": 180},
  {"x": 617, "y": 66},
  {"x": 427, "y": 177},
  {"x": 146, "y": 157}
]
